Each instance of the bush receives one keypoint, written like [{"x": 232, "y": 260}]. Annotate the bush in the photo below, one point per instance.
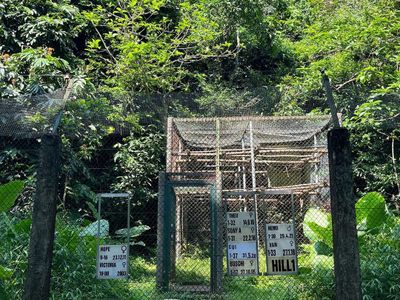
[{"x": 380, "y": 262}]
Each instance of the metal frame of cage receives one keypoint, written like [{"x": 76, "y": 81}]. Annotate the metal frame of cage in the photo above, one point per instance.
[{"x": 240, "y": 165}]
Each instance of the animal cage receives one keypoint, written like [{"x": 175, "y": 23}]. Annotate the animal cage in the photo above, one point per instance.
[{"x": 269, "y": 164}]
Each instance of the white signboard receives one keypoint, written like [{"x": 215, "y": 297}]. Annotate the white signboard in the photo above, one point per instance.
[
  {"x": 242, "y": 252},
  {"x": 112, "y": 261},
  {"x": 281, "y": 249}
]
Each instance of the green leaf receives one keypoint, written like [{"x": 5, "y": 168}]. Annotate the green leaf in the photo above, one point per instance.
[
  {"x": 23, "y": 226},
  {"x": 323, "y": 234},
  {"x": 5, "y": 273},
  {"x": 9, "y": 192},
  {"x": 92, "y": 208},
  {"x": 140, "y": 243},
  {"x": 370, "y": 211},
  {"x": 134, "y": 231},
  {"x": 320, "y": 218},
  {"x": 322, "y": 249}
]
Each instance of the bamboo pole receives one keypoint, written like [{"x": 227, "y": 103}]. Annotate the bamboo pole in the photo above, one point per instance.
[
  {"x": 254, "y": 184},
  {"x": 243, "y": 167}
]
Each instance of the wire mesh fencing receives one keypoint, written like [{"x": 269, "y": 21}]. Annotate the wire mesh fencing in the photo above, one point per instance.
[
  {"x": 18, "y": 163},
  {"x": 243, "y": 212},
  {"x": 229, "y": 180}
]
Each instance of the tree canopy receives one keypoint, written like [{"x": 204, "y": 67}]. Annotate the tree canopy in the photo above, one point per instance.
[{"x": 137, "y": 61}]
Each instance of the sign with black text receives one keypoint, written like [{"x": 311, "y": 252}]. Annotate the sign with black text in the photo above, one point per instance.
[
  {"x": 242, "y": 252},
  {"x": 112, "y": 261},
  {"x": 280, "y": 243}
]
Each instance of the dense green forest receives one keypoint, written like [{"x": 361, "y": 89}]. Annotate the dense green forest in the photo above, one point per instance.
[
  {"x": 135, "y": 62},
  {"x": 138, "y": 62}
]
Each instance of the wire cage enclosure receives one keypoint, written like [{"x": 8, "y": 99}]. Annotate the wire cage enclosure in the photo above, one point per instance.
[{"x": 274, "y": 166}]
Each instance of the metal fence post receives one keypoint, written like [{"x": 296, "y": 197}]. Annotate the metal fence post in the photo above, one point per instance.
[
  {"x": 37, "y": 284},
  {"x": 346, "y": 256}
]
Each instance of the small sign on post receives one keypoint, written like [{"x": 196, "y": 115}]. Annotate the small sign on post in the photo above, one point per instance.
[
  {"x": 281, "y": 251},
  {"x": 112, "y": 262},
  {"x": 242, "y": 252}
]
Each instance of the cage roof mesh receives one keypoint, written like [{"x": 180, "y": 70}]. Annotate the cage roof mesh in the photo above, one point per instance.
[
  {"x": 201, "y": 132},
  {"x": 30, "y": 116}
]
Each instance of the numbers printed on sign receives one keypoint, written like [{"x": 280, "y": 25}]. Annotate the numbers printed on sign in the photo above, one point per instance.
[
  {"x": 249, "y": 255},
  {"x": 289, "y": 252},
  {"x": 104, "y": 273},
  {"x": 242, "y": 249},
  {"x": 247, "y": 272},
  {"x": 116, "y": 257},
  {"x": 286, "y": 235},
  {"x": 281, "y": 249},
  {"x": 249, "y": 238},
  {"x": 112, "y": 261},
  {"x": 233, "y": 255},
  {"x": 231, "y": 223}
]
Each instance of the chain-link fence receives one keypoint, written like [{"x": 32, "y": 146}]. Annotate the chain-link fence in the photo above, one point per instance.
[
  {"x": 88, "y": 176},
  {"x": 276, "y": 169},
  {"x": 243, "y": 212},
  {"x": 23, "y": 121}
]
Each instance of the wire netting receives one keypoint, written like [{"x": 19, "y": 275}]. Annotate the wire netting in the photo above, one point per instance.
[
  {"x": 275, "y": 167},
  {"x": 30, "y": 116},
  {"x": 272, "y": 169}
]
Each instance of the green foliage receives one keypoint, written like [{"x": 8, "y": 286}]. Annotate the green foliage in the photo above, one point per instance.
[
  {"x": 317, "y": 227},
  {"x": 353, "y": 42},
  {"x": 150, "y": 54},
  {"x": 133, "y": 232},
  {"x": 371, "y": 211},
  {"x": 218, "y": 58},
  {"x": 37, "y": 45},
  {"x": 375, "y": 135},
  {"x": 5, "y": 273},
  {"x": 379, "y": 252},
  {"x": 317, "y": 281},
  {"x": 9, "y": 192},
  {"x": 74, "y": 264},
  {"x": 220, "y": 99},
  {"x": 74, "y": 278},
  {"x": 85, "y": 125},
  {"x": 138, "y": 159},
  {"x": 380, "y": 262},
  {"x": 14, "y": 249},
  {"x": 39, "y": 23}
]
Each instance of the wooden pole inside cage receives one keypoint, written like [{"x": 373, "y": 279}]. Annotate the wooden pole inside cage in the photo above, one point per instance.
[
  {"x": 244, "y": 187},
  {"x": 169, "y": 168},
  {"x": 169, "y": 144},
  {"x": 314, "y": 178},
  {"x": 179, "y": 212},
  {"x": 254, "y": 183},
  {"x": 217, "y": 218}
]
